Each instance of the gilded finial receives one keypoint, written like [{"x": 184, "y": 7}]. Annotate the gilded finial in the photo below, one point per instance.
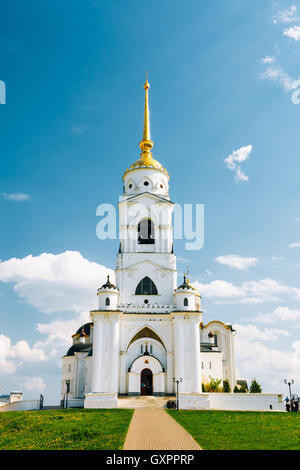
[{"x": 146, "y": 144}]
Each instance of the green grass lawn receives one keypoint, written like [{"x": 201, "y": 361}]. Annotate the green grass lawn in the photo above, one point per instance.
[
  {"x": 64, "y": 429},
  {"x": 241, "y": 430}
]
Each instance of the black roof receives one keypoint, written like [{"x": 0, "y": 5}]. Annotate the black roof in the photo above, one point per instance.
[
  {"x": 79, "y": 347},
  {"x": 186, "y": 284},
  {"x": 108, "y": 285},
  {"x": 86, "y": 329}
]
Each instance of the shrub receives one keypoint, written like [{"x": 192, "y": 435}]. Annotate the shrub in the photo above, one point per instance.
[
  {"x": 203, "y": 387},
  {"x": 213, "y": 385},
  {"x": 241, "y": 389},
  {"x": 226, "y": 386},
  {"x": 255, "y": 387}
]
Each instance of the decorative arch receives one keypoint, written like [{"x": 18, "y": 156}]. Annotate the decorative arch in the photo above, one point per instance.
[
  {"x": 227, "y": 327},
  {"x": 107, "y": 301},
  {"x": 146, "y": 233},
  {"x": 146, "y": 333},
  {"x": 146, "y": 287},
  {"x": 149, "y": 362}
]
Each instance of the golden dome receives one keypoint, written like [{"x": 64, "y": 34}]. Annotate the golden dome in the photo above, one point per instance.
[{"x": 146, "y": 160}]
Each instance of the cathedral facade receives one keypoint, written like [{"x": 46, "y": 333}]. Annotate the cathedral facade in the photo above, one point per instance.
[{"x": 148, "y": 330}]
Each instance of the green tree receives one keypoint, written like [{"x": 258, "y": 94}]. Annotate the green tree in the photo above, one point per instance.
[
  {"x": 241, "y": 389},
  {"x": 226, "y": 386},
  {"x": 255, "y": 387},
  {"x": 213, "y": 385}
]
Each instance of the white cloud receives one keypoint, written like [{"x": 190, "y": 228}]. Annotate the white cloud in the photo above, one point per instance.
[
  {"x": 238, "y": 262},
  {"x": 286, "y": 16},
  {"x": 59, "y": 333},
  {"x": 252, "y": 333},
  {"x": 219, "y": 288},
  {"x": 284, "y": 314},
  {"x": 297, "y": 219},
  {"x": 276, "y": 74},
  {"x": 11, "y": 356},
  {"x": 293, "y": 32},
  {"x": 52, "y": 283},
  {"x": 294, "y": 245},
  {"x": 267, "y": 60},
  {"x": 264, "y": 290},
  {"x": 235, "y": 158},
  {"x": 268, "y": 365},
  {"x": 16, "y": 197},
  {"x": 34, "y": 384}
]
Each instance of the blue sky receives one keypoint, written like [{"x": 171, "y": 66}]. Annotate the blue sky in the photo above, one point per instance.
[{"x": 222, "y": 77}]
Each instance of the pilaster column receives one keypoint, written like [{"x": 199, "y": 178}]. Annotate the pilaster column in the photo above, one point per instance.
[
  {"x": 96, "y": 379},
  {"x": 114, "y": 353},
  {"x": 195, "y": 355},
  {"x": 179, "y": 350}
]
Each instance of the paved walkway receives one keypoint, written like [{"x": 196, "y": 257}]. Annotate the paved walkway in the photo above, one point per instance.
[{"x": 154, "y": 429}]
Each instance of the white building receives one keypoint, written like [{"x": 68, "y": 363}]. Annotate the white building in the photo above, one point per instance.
[{"x": 147, "y": 330}]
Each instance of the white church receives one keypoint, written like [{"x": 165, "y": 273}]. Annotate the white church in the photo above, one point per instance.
[{"x": 148, "y": 330}]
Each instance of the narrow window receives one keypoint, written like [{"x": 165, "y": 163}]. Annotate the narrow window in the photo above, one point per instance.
[
  {"x": 107, "y": 301},
  {"x": 202, "y": 364},
  {"x": 142, "y": 349},
  {"x": 216, "y": 340},
  {"x": 210, "y": 365},
  {"x": 146, "y": 232},
  {"x": 146, "y": 287},
  {"x": 186, "y": 302},
  {"x": 151, "y": 349}
]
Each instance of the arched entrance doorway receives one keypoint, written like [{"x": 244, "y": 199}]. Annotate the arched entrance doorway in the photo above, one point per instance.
[{"x": 146, "y": 382}]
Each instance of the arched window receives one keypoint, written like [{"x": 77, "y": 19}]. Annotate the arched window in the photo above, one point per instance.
[
  {"x": 146, "y": 232},
  {"x": 216, "y": 339},
  {"x": 146, "y": 287},
  {"x": 107, "y": 301},
  {"x": 186, "y": 302}
]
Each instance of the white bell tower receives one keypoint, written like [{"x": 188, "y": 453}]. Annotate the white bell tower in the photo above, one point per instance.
[{"x": 146, "y": 266}]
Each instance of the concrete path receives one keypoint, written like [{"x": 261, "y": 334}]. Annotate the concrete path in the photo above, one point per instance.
[{"x": 154, "y": 429}]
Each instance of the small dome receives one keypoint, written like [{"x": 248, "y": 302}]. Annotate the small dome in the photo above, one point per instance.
[
  {"x": 146, "y": 163},
  {"x": 84, "y": 329},
  {"x": 108, "y": 285},
  {"x": 186, "y": 286},
  {"x": 79, "y": 347}
]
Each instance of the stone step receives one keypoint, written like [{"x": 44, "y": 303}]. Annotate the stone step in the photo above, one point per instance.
[{"x": 144, "y": 402}]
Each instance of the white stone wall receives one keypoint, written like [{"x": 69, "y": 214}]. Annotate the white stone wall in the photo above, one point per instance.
[
  {"x": 246, "y": 401},
  {"x": 226, "y": 345},
  {"x": 22, "y": 405},
  {"x": 68, "y": 373},
  {"x": 211, "y": 366}
]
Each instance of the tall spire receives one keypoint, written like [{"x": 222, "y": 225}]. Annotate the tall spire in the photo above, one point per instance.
[{"x": 146, "y": 144}]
